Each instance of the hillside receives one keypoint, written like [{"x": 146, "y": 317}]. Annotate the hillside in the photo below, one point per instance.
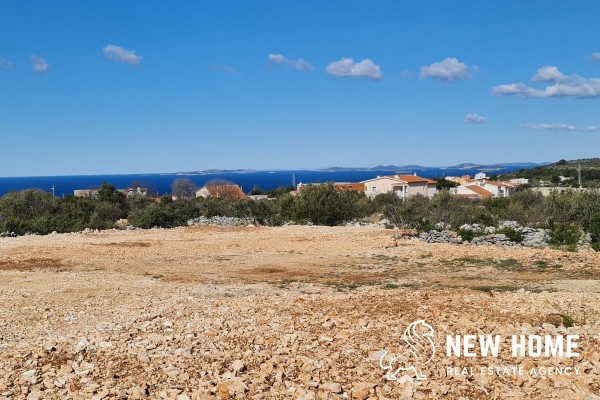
[{"x": 551, "y": 174}]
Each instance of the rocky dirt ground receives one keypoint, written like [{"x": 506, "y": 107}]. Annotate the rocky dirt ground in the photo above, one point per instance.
[{"x": 274, "y": 313}]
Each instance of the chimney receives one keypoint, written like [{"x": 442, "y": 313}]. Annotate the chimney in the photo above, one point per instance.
[{"x": 415, "y": 174}]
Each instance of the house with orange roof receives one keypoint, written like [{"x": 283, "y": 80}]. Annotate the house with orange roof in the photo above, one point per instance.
[
  {"x": 339, "y": 186},
  {"x": 225, "y": 192},
  {"x": 349, "y": 186},
  {"x": 484, "y": 189},
  {"x": 498, "y": 188},
  {"x": 402, "y": 186},
  {"x": 472, "y": 192}
]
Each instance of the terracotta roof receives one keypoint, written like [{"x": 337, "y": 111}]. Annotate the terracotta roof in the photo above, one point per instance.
[
  {"x": 410, "y": 178},
  {"x": 352, "y": 186},
  {"x": 481, "y": 192},
  {"x": 228, "y": 192},
  {"x": 494, "y": 183}
]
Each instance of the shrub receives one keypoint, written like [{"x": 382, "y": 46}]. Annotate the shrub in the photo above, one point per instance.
[
  {"x": 105, "y": 215},
  {"x": 28, "y": 211},
  {"x": 565, "y": 235},
  {"x": 595, "y": 231},
  {"x": 484, "y": 218},
  {"x": 411, "y": 212},
  {"x": 466, "y": 234},
  {"x": 512, "y": 234},
  {"x": 260, "y": 211},
  {"x": 156, "y": 214},
  {"x": 324, "y": 205}
]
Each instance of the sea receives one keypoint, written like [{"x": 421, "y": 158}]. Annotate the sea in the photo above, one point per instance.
[{"x": 266, "y": 180}]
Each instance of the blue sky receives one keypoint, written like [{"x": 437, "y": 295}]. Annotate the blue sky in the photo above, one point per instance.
[{"x": 100, "y": 87}]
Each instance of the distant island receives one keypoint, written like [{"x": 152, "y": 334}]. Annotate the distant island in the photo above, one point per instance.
[{"x": 411, "y": 167}]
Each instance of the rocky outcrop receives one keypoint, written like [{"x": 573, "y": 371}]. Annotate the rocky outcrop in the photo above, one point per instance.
[
  {"x": 440, "y": 237},
  {"x": 221, "y": 221},
  {"x": 533, "y": 237},
  {"x": 493, "y": 240}
]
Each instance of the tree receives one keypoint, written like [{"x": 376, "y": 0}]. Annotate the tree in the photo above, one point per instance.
[
  {"x": 108, "y": 194},
  {"x": 443, "y": 183},
  {"x": 183, "y": 188},
  {"x": 256, "y": 190}
]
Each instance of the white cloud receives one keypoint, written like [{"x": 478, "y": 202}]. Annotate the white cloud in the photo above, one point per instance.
[
  {"x": 227, "y": 69},
  {"x": 475, "y": 119},
  {"x": 346, "y": 67},
  {"x": 561, "y": 127},
  {"x": 448, "y": 70},
  {"x": 595, "y": 56},
  {"x": 116, "y": 53},
  {"x": 300, "y": 63},
  {"x": 38, "y": 64},
  {"x": 560, "y": 85},
  {"x": 5, "y": 64},
  {"x": 549, "y": 74}
]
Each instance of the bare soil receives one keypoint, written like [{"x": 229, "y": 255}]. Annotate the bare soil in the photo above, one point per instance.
[{"x": 291, "y": 312}]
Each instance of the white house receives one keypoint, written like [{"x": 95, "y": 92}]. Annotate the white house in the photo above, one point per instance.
[
  {"x": 480, "y": 175},
  {"x": 402, "y": 186},
  {"x": 471, "y": 192},
  {"x": 519, "y": 181},
  {"x": 498, "y": 189}
]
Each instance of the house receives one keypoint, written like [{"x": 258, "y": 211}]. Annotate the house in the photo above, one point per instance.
[
  {"x": 546, "y": 191},
  {"x": 519, "y": 181},
  {"x": 461, "y": 180},
  {"x": 349, "y": 186},
  {"x": 471, "y": 192},
  {"x": 258, "y": 197},
  {"x": 340, "y": 186},
  {"x": 402, "y": 186},
  {"x": 480, "y": 175},
  {"x": 135, "y": 191},
  {"x": 225, "y": 192},
  {"x": 85, "y": 192},
  {"x": 499, "y": 189},
  {"x": 132, "y": 191}
]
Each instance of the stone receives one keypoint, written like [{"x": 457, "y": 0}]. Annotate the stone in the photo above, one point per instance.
[{"x": 331, "y": 387}]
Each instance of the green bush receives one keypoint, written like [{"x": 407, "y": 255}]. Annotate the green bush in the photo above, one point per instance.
[
  {"x": 484, "y": 218},
  {"x": 411, "y": 212},
  {"x": 261, "y": 211},
  {"x": 28, "y": 211},
  {"x": 594, "y": 230},
  {"x": 512, "y": 234},
  {"x": 565, "y": 236},
  {"x": 467, "y": 235},
  {"x": 105, "y": 215},
  {"x": 324, "y": 205},
  {"x": 155, "y": 215}
]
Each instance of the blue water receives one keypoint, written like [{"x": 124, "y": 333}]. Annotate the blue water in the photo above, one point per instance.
[{"x": 64, "y": 185}]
